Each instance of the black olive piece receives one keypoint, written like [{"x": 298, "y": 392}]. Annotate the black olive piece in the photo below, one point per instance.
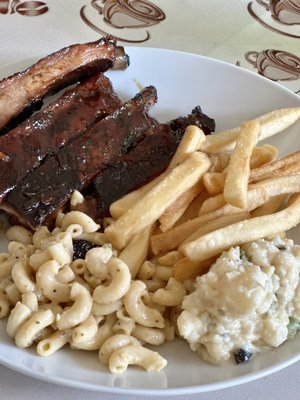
[
  {"x": 281, "y": 247},
  {"x": 81, "y": 247},
  {"x": 242, "y": 356}
]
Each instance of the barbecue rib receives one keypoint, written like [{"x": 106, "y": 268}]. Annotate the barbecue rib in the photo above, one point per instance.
[
  {"x": 148, "y": 159},
  {"x": 22, "y": 91},
  {"x": 24, "y": 148},
  {"x": 48, "y": 188}
]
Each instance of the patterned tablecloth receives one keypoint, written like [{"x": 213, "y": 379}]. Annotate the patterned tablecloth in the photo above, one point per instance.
[{"x": 259, "y": 35}]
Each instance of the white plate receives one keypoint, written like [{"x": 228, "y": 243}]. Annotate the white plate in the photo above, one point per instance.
[{"x": 229, "y": 94}]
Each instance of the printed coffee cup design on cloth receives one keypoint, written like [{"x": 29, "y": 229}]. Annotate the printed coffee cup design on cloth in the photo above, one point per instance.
[
  {"x": 26, "y": 8},
  {"x": 283, "y": 16},
  {"x": 4, "y": 7},
  {"x": 276, "y": 65},
  {"x": 284, "y": 11},
  {"x": 112, "y": 16}
]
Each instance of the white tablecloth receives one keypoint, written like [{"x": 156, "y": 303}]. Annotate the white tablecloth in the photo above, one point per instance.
[{"x": 242, "y": 32}]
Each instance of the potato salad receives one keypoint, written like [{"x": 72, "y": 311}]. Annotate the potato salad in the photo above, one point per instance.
[{"x": 249, "y": 301}]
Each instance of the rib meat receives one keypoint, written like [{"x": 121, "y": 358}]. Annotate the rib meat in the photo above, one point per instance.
[
  {"x": 148, "y": 159},
  {"x": 24, "y": 90},
  {"x": 24, "y": 148},
  {"x": 49, "y": 187}
]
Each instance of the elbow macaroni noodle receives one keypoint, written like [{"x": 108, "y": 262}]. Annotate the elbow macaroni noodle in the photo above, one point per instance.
[
  {"x": 135, "y": 355},
  {"x": 4, "y": 305},
  {"x": 113, "y": 343},
  {"x": 86, "y": 330},
  {"x": 136, "y": 308},
  {"x": 79, "y": 311},
  {"x": 27, "y": 332},
  {"x": 118, "y": 286},
  {"x": 91, "y": 303}
]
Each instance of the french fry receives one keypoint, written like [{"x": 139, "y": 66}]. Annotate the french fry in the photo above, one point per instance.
[
  {"x": 292, "y": 198},
  {"x": 191, "y": 141},
  {"x": 119, "y": 207},
  {"x": 176, "y": 210},
  {"x": 170, "y": 258},
  {"x": 161, "y": 243},
  {"x": 216, "y": 202},
  {"x": 238, "y": 170},
  {"x": 150, "y": 207},
  {"x": 219, "y": 161},
  {"x": 187, "y": 269},
  {"x": 107, "y": 221},
  {"x": 269, "y": 207},
  {"x": 277, "y": 121},
  {"x": 193, "y": 209},
  {"x": 261, "y": 192},
  {"x": 214, "y": 182},
  {"x": 135, "y": 253},
  {"x": 284, "y": 166},
  {"x": 263, "y": 155},
  {"x": 243, "y": 232},
  {"x": 271, "y": 124},
  {"x": 219, "y": 222},
  {"x": 212, "y": 204}
]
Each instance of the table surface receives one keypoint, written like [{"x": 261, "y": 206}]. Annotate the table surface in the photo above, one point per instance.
[{"x": 248, "y": 34}]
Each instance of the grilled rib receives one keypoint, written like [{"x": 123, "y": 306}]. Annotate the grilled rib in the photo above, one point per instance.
[
  {"x": 148, "y": 159},
  {"x": 43, "y": 192},
  {"x": 25, "y": 147},
  {"x": 23, "y": 91}
]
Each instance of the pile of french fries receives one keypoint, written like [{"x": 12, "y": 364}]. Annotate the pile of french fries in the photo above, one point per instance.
[{"x": 219, "y": 191}]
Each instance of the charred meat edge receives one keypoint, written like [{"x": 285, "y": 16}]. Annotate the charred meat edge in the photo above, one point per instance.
[
  {"x": 22, "y": 91},
  {"x": 48, "y": 188},
  {"x": 145, "y": 161},
  {"x": 24, "y": 148}
]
